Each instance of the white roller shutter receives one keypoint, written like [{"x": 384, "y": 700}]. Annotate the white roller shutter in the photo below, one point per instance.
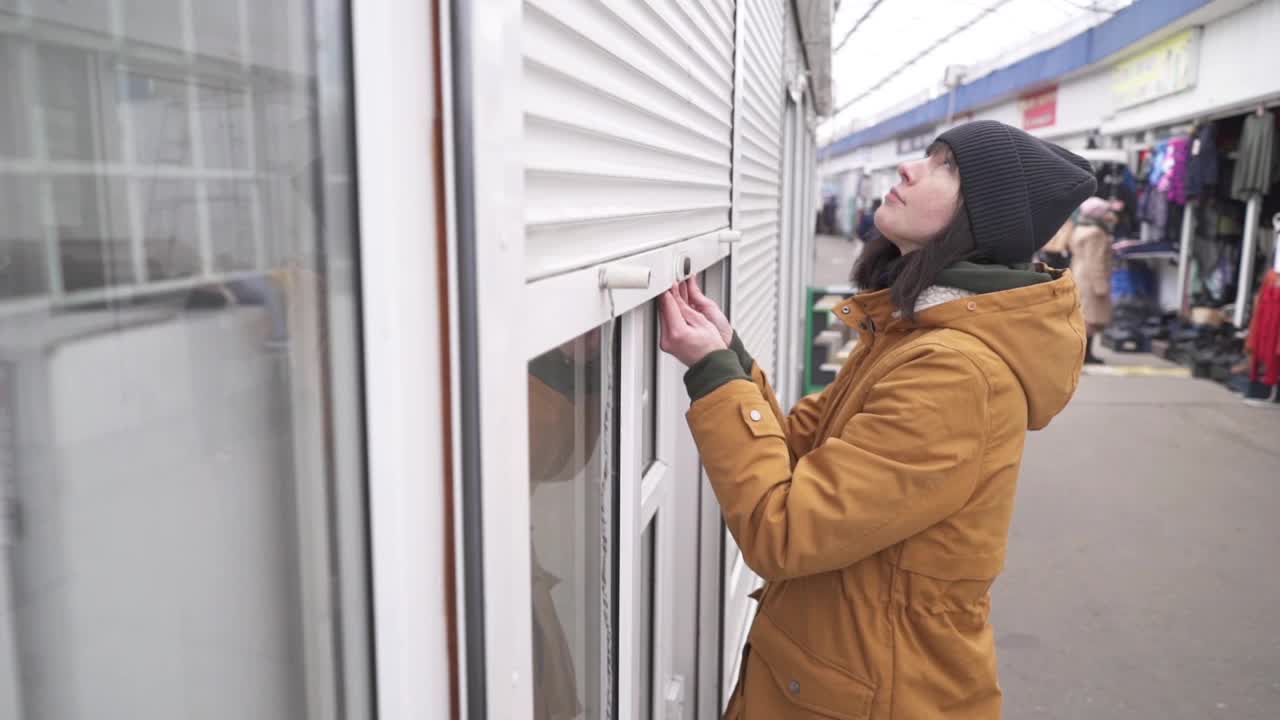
[
  {"x": 756, "y": 176},
  {"x": 627, "y": 128}
]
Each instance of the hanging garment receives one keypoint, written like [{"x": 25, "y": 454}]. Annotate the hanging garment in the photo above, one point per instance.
[
  {"x": 1264, "y": 332},
  {"x": 1202, "y": 164},
  {"x": 1156, "y": 173},
  {"x": 1175, "y": 176},
  {"x": 1256, "y": 167},
  {"x": 1157, "y": 212},
  {"x": 1128, "y": 181}
]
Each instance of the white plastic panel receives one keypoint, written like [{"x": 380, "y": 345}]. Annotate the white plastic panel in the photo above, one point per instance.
[
  {"x": 627, "y": 127},
  {"x": 756, "y": 173}
]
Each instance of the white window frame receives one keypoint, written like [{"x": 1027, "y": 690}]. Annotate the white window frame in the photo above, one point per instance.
[{"x": 404, "y": 347}]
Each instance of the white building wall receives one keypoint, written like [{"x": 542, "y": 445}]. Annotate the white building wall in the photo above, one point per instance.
[{"x": 1239, "y": 54}]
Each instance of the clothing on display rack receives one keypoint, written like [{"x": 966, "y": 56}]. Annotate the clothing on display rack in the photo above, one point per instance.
[
  {"x": 1116, "y": 182},
  {"x": 1174, "y": 178},
  {"x": 1155, "y": 212},
  {"x": 1258, "y": 165},
  {"x": 1202, "y": 163},
  {"x": 1264, "y": 332}
]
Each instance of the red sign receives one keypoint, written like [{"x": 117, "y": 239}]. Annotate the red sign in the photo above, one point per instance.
[{"x": 1039, "y": 109}]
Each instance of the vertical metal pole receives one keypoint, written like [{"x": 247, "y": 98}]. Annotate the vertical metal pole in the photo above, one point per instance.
[
  {"x": 1247, "y": 253},
  {"x": 1184, "y": 257}
]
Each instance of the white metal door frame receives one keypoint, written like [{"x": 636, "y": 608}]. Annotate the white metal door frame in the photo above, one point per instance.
[
  {"x": 487, "y": 186},
  {"x": 403, "y": 350},
  {"x": 788, "y": 257}
]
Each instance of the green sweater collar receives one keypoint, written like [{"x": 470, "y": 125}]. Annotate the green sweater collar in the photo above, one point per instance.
[{"x": 981, "y": 279}]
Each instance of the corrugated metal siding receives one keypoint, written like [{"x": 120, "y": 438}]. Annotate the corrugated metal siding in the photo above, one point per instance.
[
  {"x": 628, "y": 127},
  {"x": 756, "y": 171}
]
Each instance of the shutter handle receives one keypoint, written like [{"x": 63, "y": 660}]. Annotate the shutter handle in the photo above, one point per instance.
[{"x": 625, "y": 277}]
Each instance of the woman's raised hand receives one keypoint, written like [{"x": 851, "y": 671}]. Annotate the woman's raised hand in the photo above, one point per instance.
[
  {"x": 687, "y": 333},
  {"x": 708, "y": 307}
]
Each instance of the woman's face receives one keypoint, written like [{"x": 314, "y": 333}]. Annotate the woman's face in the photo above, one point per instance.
[{"x": 923, "y": 203}]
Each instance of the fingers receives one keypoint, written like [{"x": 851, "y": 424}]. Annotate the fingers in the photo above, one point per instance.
[
  {"x": 699, "y": 301},
  {"x": 672, "y": 318},
  {"x": 682, "y": 291},
  {"x": 695, "y": 292},
  {"x": 673, "y": 322},
  {"x": 696, "y": 299}
]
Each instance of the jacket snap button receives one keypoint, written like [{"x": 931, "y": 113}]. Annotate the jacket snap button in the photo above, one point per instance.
[
  {"x": 794, "y": 687},
  {"x": 844, "y": 310},
  {"x": 972, "y": 306},
  {"x": 755, "y": 416}
]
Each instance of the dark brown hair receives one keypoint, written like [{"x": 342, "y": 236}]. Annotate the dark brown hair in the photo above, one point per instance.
[{"x": 882, "y": 265}]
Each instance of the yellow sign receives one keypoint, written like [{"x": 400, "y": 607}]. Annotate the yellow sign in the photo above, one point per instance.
[
  {"x": 1167, "y": 67},
  {"x": 1136, "y": 371}
]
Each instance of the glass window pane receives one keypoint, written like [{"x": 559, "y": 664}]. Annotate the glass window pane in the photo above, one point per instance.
[
  {"x": 572, "y": 512},
  {"x": 22, "y": 247},
  {"x": 224, "y": 126},
  {"x": 93, "y": 234},
  {"x": 156, "y": 106},
  {"x": 170, "y": 227},
  {"x": 65, "y": 103},
  {"x": 217, "y": 26},
  {"x": 153, "y": 22},
  {"x": 231, "y": 215},
  {"x": 649, "y": 386},
  {"x": 181, "y": 445},
  {"x": 13, "y": 115},
  {"x": 648, "y": 552}
]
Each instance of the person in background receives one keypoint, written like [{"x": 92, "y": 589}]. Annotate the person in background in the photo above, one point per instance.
[
  {"x": 878, "y": 511},
  {"x": 1055, "y": 253},
  {"x": 1091, "y": 264},
  {"x": 867, "y": 223}
]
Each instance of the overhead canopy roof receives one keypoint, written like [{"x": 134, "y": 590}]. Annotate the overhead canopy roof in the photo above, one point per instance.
[{"x": 889, "y": 55}]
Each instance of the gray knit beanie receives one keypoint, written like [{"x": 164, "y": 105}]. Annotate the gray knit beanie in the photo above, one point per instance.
[{"x": 1018, "y": 190}]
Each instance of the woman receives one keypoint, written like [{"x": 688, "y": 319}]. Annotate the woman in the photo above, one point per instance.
[
  {"x": 878, "y": 511},
  {"x": 1090, "y": 246}
]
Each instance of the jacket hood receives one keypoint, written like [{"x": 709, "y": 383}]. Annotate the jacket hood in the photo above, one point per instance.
[
  {"x": 1038, "y": 331},
  {"x": 1036, "y": 328}
]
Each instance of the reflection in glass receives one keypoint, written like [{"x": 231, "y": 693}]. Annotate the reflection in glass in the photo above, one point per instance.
[
  {"x": 648, "y": 551},
  {"x": 63, "y": 78},
  {"x": 170, "y": 227},
  {"x": 180, "y": 453},
  {"x": 22, "y": 247},
  {"x": 93, "y": 233},
  {"x": 231, "y": 211},
  {"x": 13, "y": 116},
  {"x": 649, "y": 385},
  {"x": 224, "y": 126},
  {"x": 572, "y": 528},
  {"x": 157, "y": 108}
]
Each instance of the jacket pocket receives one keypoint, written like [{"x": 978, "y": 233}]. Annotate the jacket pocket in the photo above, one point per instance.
[
  {"x": 761, "y": 421},
  {"x": 785, "y": 680},
  {"x": 941, "y": 565}
]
